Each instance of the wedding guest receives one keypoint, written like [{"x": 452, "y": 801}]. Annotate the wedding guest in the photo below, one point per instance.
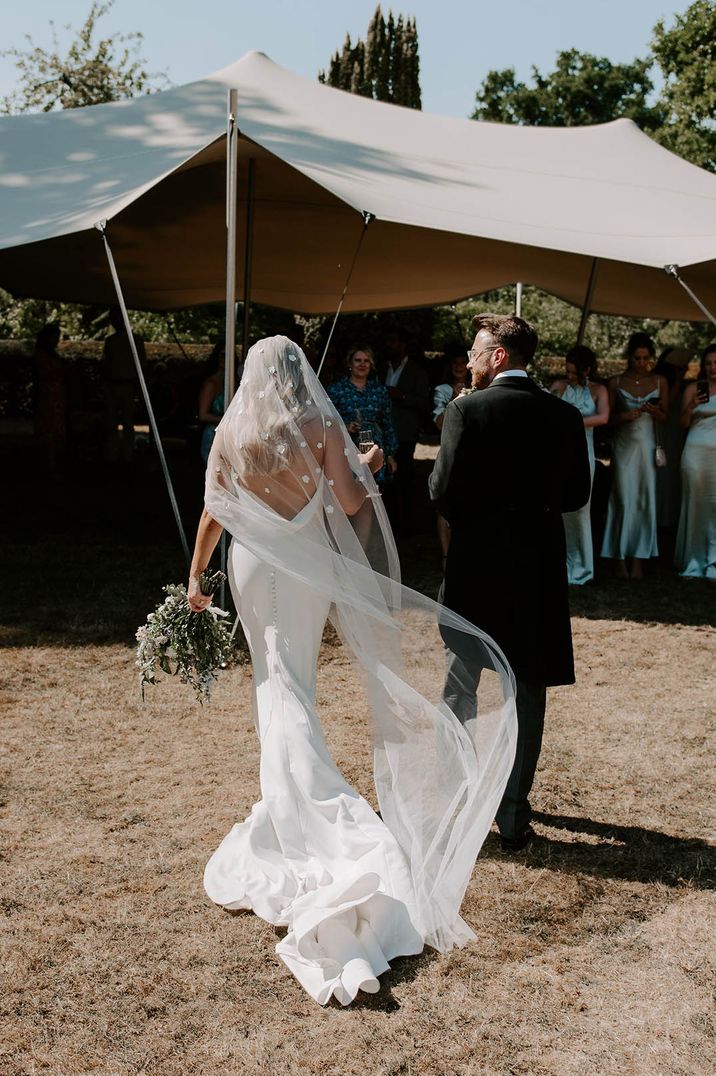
[
  {"x": 363, "y": 404},
  {"x": 456, "y": 378},
  {"x": 50, "y": 407},
  {"x": 407, "y": 383},
  {"x": 211, "y": 395},
  {"x": 119, "y": 379},
  {"x": 638, "y": 401},
  {"x": 592, "y": 401},
  {"x": 696, "y": 538},
  {"x": 671, "y": 366},
  {"x": 211, "y": 398}
]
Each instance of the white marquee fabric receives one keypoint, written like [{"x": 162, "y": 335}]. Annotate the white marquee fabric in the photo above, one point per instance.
[{"x": 460, "y": 206}]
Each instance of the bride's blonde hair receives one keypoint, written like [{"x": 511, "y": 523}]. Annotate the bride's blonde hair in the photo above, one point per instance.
[{"x": 274, "y": 402}]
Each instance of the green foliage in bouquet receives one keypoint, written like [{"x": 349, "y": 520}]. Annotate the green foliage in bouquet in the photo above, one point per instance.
[{"x": 192, "y": 646}]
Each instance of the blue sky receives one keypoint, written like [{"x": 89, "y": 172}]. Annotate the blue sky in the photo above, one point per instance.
[{"x": 460, "y": 40}]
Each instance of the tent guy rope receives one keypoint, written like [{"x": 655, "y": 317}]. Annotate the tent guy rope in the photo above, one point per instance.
[
  {"x": 367, "y": 218},
  {"x": 673, "y": 271}
]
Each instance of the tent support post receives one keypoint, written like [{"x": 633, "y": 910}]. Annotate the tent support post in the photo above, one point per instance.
[
  {"x": 673, "y": 271},
  {"x": 232, "y": 169},
  {"x": 518, "y": 299},
  {"x": 248, "y": 256},
  {"x": 586, "y": 309},
  {"x": 145, "y": 392},
  {"x": 367, "y": 218}
]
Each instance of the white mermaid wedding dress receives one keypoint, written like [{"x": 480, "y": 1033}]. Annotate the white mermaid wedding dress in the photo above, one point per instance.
[
  {"x": 312, "y": 855},
  {"x": 354, "y": 890}
]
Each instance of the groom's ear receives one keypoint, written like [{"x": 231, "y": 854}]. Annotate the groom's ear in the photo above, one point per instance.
[{"x": 499, "y": 358}]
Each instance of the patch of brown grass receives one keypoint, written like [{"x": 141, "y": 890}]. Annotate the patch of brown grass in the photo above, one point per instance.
[{"x": 592, "y": 951}]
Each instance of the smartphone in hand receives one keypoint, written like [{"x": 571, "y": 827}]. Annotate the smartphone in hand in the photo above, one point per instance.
[{"x": 703, "y": 394}]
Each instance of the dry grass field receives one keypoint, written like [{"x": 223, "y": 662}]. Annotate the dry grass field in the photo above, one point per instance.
[{"x": 594, "y": 950}]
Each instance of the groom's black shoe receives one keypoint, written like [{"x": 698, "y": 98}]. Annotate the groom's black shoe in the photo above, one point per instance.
[{"x": 518, "y": 843}]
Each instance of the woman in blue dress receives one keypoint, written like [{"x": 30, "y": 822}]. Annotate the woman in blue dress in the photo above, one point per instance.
[
  {"x": 363, "y": 404},
  {"x": 638, "y": 401},
  {"x": 592, "y": 401},
  {"x": 211, "y": 396},
  {"x": 696, "y": 539}
]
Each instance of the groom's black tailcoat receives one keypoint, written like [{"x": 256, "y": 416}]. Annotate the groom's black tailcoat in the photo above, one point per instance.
[{"x": 512, "y": 459}]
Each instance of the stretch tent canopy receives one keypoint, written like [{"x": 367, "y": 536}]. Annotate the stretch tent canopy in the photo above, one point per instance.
[{"x": 460, "y": 206}]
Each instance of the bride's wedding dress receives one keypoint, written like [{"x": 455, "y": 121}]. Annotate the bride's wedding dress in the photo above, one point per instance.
[{"x": 353, "y": 889}]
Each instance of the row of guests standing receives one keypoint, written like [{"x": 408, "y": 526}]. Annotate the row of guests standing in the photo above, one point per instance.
[{"x": 642, "y": 406}]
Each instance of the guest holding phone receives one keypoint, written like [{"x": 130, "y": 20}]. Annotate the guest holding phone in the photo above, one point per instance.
[{"x": 696, "y": 538}]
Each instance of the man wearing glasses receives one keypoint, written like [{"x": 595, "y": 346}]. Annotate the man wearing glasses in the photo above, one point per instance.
[{"x": 512, "y": 459}]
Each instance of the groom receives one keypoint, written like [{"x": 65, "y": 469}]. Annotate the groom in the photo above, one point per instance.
[{"x": 512, "y": 459}]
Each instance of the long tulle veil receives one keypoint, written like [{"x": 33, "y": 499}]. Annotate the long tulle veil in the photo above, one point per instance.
[{"x": 438, "y": 781}]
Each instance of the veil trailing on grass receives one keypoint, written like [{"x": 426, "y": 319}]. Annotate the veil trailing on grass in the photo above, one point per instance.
[{"x": 281, "y": 447}]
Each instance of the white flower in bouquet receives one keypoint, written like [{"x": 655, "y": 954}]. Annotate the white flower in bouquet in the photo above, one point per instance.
[{"x": 192, "y": 646}]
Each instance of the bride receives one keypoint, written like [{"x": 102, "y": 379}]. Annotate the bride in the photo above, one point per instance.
[{"x": 311, "y": 542}]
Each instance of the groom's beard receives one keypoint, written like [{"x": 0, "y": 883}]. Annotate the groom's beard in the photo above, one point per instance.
[{"x": 480, "y": 379}]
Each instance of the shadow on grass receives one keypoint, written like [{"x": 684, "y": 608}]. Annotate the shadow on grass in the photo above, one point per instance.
[
  {"x": 85, "y": 560},
  {"x": 627, "y": 853}
]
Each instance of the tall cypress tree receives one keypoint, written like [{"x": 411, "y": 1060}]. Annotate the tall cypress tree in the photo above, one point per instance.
[{"x": 385, "y": 67}]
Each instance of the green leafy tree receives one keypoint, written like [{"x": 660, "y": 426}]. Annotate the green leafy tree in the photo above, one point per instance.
[
  {"x": 386, "y": 66},
  {"x": 582, "y": 89},
  {"x": 686, "y": 54},
  {"x": 92, "y": 71}
]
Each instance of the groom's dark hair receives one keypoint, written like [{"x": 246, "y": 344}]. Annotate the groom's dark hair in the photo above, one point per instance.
[{"x": 515, "y": 335}]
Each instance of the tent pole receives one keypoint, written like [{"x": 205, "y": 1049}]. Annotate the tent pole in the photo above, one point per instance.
[
  {"x": 586, "y": 309},
  {"x": 248, "y": 256},
  {"x": 367, "y": 218},
  {"x": 673, "y": 271},
  {"x": 145, "y": 392},
  {"x": 518, "y": 299},
  {"x": 232, "y": 168}
]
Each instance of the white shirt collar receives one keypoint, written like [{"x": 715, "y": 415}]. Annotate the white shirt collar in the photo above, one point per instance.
[
  {"x": 394, "y": 372},
  {"x": 509, "y": 373}
]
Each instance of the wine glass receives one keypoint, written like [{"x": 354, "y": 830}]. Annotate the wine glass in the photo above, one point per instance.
[{"x": 365, "y": 440}]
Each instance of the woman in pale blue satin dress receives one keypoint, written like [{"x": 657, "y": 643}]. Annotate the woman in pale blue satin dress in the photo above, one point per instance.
[
  {"x": 638, "y": 400},
  {"x": 592, "y": 401},
  {"x": 696, "y": 539}
]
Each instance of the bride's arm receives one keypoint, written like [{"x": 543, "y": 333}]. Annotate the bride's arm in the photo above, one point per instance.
[
  {"x": 349, "y": 492},
  {"x": 207, "y": 535}
]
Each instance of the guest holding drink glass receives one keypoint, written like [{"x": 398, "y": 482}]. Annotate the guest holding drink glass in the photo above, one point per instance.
[
  {"x": 696, "y": 538},
  {"x": 592, "y": 401},
  {"x": 364, "y": 405}
]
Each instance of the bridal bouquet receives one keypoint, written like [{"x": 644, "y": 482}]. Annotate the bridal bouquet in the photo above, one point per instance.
[{"x": 192, "y": 646}]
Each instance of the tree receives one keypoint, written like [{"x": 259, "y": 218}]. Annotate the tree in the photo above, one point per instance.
[
  {"x": 91, "y": 72},
  {"x": 582, "y": 89},
  {"x": 386, "y": 66},
  {"x": 686, "y": 55}
]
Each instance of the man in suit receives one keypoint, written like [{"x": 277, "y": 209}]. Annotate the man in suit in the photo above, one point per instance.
[
  {"x": 407, "y": 382},
  {"x": 512, "y": 459}
]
